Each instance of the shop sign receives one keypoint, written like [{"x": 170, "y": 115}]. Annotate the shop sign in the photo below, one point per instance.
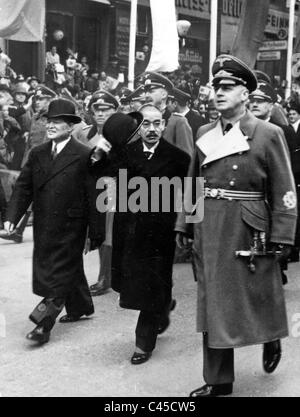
[
  {"x": 277, "y": 20},
  {"x": 122, "y": 32},
  {"x": 269, "y": 56},
  {"x": 191, "y": 56},
  {"x": 195, "y": 8},
  {"x": 274, "y": 46}
]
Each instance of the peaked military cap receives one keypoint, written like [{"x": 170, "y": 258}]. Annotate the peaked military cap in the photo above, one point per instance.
[
  {"x": 44, "y": 92},
  {"x": 154, "y": 80},
  {"x": 138, "y": 94},
  {"x": 262, "y": 76},
  {"x": 180, "y": 95},
  {"x": 102, "y": 99},
  {"x": 264, "y": 91},
  {"x": 229, "y": 70},
  {"x": 125, "y": 95}
]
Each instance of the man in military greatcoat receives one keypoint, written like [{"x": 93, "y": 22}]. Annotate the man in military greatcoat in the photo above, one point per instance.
[
  {"x": 55, "y": 179},
  {"x": 250, "y": 214}
]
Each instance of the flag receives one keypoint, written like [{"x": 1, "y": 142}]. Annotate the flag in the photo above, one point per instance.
[
  {"x": 165, "y": 47},
  {"x": 251, "y": 30},
  {"x": 22, "y": 20}
]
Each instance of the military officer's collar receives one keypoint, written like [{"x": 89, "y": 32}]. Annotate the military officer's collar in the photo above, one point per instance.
[{"x": 214, "y": 145}]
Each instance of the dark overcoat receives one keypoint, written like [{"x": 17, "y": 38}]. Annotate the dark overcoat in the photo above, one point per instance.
[
  {"x": 236, "y": 306},
  {"x": 61, "y": 192},
  {"x": 144, "y": 242}
]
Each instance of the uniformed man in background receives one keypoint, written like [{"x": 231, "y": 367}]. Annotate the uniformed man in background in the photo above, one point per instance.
[
  {"x": 157, "y": 88},
  {"x": 178, "y": 132},
  {"x": 103, "y": 105}
]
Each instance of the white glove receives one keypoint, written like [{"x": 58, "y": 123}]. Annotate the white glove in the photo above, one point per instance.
[{"x": 102, "y": 146}]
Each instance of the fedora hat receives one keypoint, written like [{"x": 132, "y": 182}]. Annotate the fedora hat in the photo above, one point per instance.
[
  {"x": 63, "y": 109},
  {"x": 120, "y": 128}
]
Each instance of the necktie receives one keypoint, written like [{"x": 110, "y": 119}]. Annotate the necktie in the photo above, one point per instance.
[
  {"x": 148, "y": 154},
  {"x": 227, "y": 128},
  {"x": 54, "y": 152}
]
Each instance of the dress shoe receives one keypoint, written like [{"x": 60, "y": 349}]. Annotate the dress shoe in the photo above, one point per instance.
[
  {"x": 271, "y": 356},
  {"x": 15, "y": 236},
  {"x": 72, "y": 318},
  {"x": 39, "y": 335},
  {"x": 212, "y": 390},
  {"x": 138, "y": 358},
  {"x": 99, "y": 288},
  {"x": 165, "y": 322}
]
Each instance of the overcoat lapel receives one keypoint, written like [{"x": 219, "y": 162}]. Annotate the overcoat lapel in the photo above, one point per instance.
[
  {"x": 65, "y": 158},
  {"x": 214, "y": 145}
]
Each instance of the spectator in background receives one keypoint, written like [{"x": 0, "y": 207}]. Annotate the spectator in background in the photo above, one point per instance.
[
  {"x": 84, "y": 63},
  {"x": 11, "y": 134},
  {"x": 4, "y": 62},
  {"x": 92, "y": 82},
  {"x": 52, "y": 57},
  {"x": 5, "y": 95},
  {"x": 22, "y": 112},
  {"x": 33, "y": 83},
  {"x": 82, "y": 79}
]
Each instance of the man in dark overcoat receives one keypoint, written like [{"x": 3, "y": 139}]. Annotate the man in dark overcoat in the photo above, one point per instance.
[
  {"x": 143, "y": 239},
  {"x": 55, "y": 179},
  {"x": 250, "y": 214}
]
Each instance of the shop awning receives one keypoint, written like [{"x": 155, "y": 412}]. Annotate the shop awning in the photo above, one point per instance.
[{"x": 107, "y": 2}]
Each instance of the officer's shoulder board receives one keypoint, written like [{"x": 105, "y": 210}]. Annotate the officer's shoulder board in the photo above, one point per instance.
[{"x": 178, "y": 114}]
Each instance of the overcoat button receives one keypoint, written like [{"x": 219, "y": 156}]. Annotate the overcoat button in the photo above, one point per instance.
[
  {"x": 232, "y": 183},
  {"x": 235, "y": 167}
]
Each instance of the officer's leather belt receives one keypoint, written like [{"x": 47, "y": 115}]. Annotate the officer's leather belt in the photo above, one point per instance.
[{"x": 219, "y": 193}]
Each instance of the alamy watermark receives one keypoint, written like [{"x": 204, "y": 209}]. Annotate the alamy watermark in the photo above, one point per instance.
[{"x": 161, "y": 195}]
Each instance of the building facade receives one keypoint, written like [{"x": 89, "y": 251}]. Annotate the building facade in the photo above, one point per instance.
[{"x": 98, "y": 29}]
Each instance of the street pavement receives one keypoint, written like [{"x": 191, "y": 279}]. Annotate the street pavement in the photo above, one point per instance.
[{"x": 92, "y": 357}]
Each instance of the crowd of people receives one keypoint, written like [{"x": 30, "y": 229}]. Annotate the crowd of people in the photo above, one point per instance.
[{"x": 78, "y": 127}]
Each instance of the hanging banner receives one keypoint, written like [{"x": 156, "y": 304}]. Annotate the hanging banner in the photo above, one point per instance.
[
  {"x": 251, "y": 30},
  {"x": 22, "y": 20},
  {"x": 165, "y": 47}
]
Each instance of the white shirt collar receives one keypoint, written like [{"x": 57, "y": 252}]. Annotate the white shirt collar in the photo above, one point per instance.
[
  {"x": 60, "y": 145},
  {"x": 152, "y": 150},
  {"x": 296, "y": 125}
]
